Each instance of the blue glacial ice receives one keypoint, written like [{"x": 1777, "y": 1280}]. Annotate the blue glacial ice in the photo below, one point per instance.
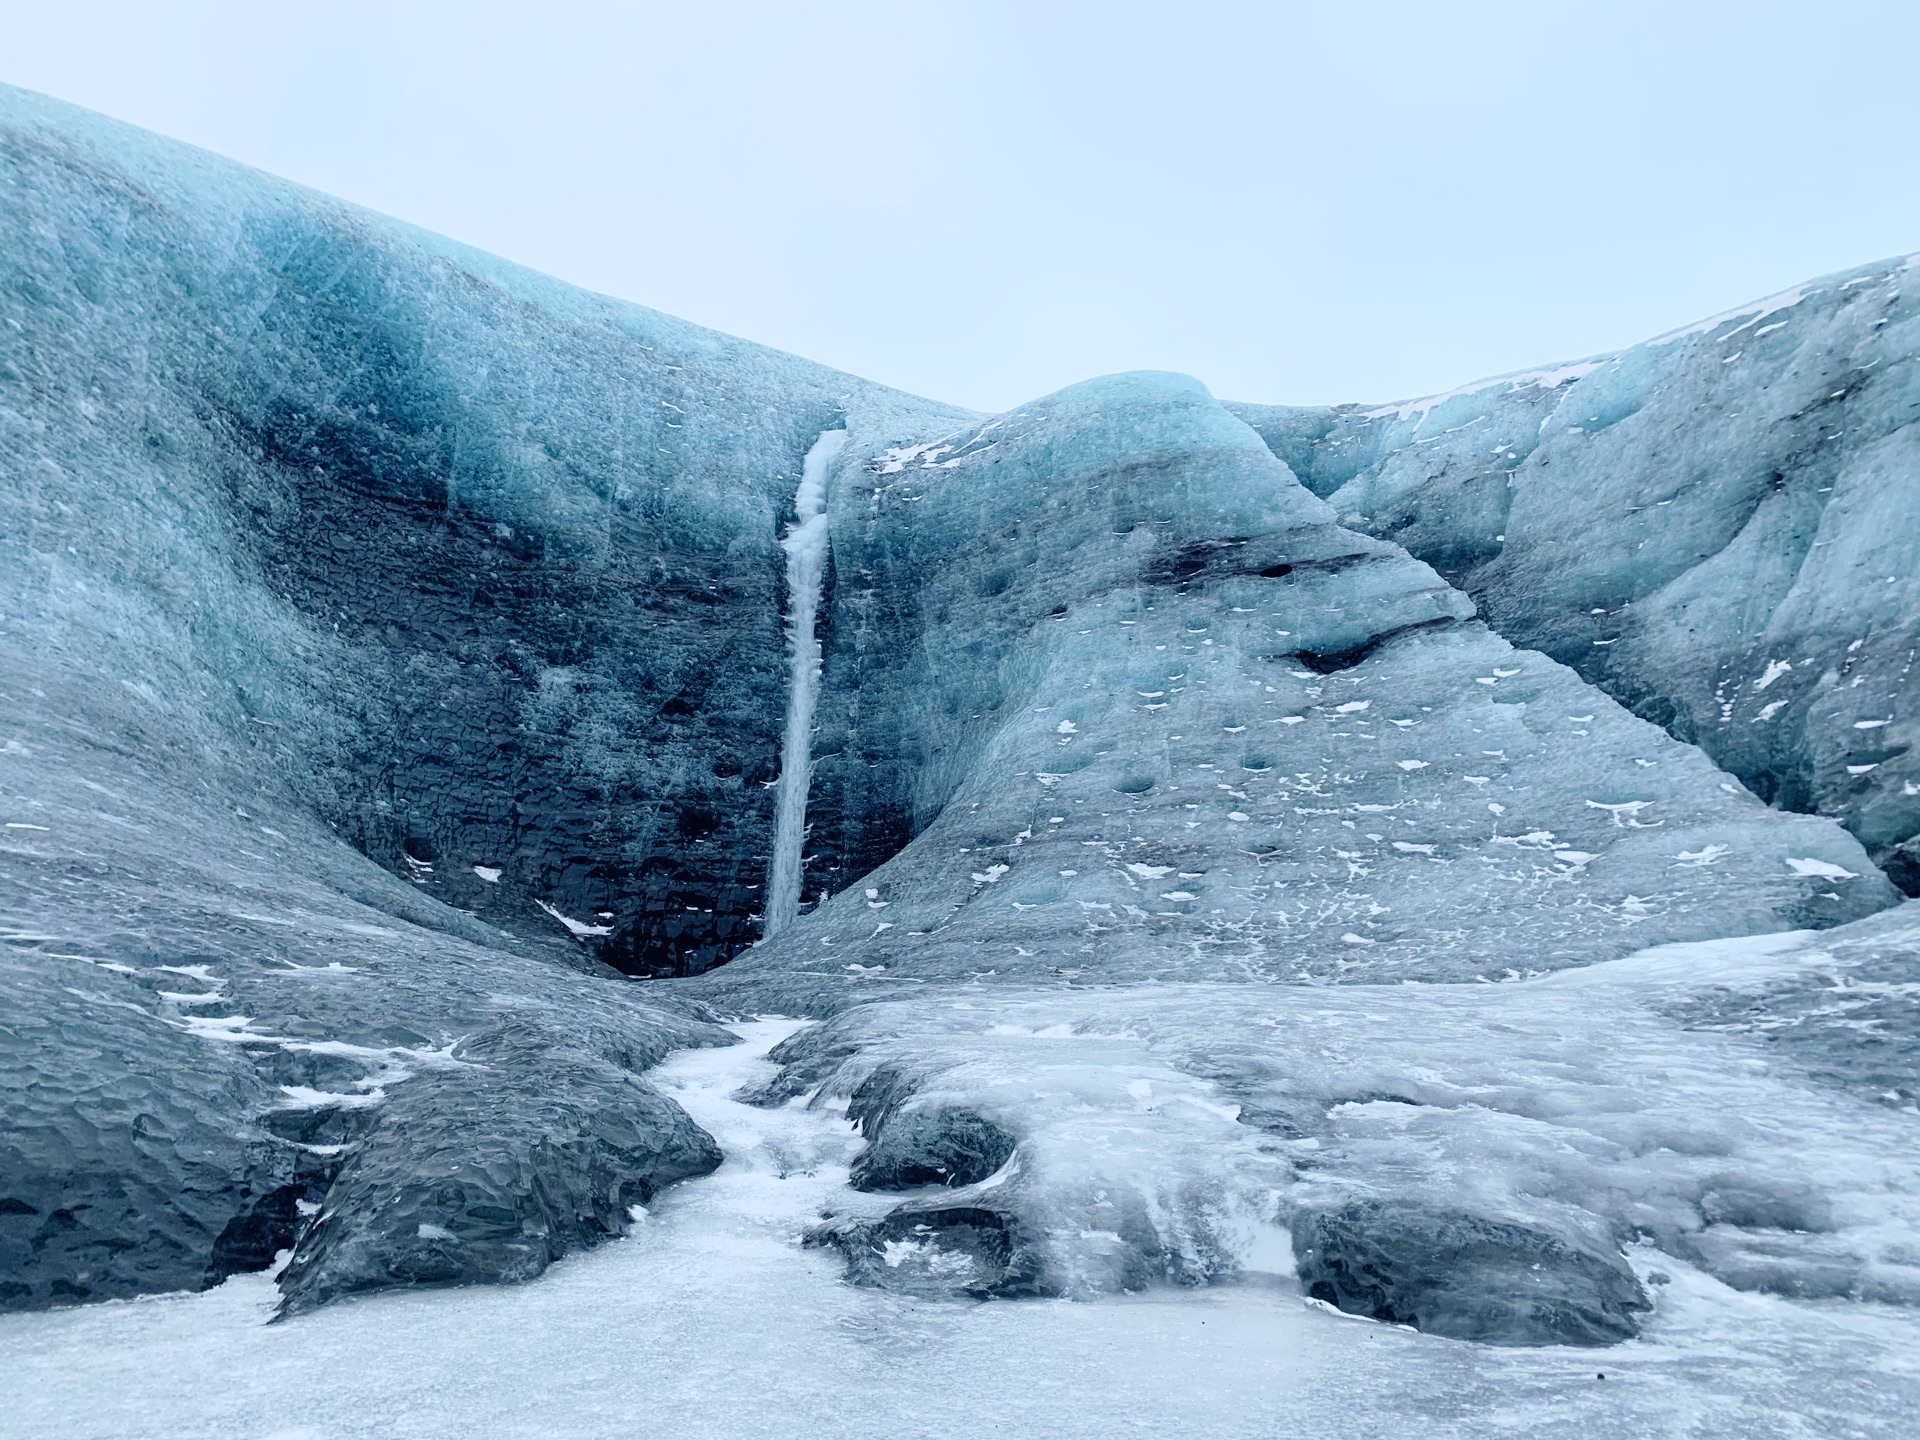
[
  {"x": 1715, "y": 527},
  {"x": 1425, "y": 877}
]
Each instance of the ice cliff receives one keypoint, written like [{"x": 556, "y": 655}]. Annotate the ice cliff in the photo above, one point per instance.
[
  {"x": 1219, "y": 820},
  {"x": 1715, "y": 527}
]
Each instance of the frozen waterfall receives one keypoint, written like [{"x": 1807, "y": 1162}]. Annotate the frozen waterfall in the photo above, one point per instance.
[{"x": 806, "y": 547}]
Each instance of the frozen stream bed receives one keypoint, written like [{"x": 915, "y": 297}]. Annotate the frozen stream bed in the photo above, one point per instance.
[{"x": 713, "y": 1319}]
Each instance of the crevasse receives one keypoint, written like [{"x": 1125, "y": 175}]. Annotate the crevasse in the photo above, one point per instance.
[{"x": 806, "y": 547}]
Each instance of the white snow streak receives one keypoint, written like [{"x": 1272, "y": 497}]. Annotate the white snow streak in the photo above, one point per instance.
[
  {"x": 1546, "y": 379},
  {"x": 1759, "y": 310},
  {"x": 576, "y": 927}
]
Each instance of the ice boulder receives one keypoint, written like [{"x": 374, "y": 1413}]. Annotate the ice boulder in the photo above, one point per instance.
[{"x": 1452, "y": 1272}]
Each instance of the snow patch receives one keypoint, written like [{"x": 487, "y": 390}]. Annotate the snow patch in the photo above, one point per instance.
[
  {"x": 1758, "y": 310},
  {"x": 1824, "y": 869},
  {"x": 578, "y": 928}
]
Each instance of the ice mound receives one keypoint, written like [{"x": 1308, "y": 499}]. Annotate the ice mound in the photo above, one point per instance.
[{"x": 1160, "y": 716}]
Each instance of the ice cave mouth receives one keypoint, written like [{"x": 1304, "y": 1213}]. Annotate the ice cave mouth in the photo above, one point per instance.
[{"x": 402, "y": 648}]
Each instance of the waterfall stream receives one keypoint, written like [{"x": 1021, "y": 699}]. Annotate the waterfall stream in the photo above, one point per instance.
[{"x": 806, "y": 547}]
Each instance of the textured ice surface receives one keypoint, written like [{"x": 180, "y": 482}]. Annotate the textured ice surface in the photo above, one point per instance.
[
  {"x": 1466, "y": 1132},
  {"x": 713, "y": 1308},
  {"x": 1717, "y": 528},
  {"x": 317, "y": 529},
  {"x": 1155, "y": 714},
  {"x": 216, "y": 1014},
  {"x": 1194, "y": 889}
]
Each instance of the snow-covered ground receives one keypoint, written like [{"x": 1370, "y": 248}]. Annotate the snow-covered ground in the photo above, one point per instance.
[{"x": 711, "y": 1319}]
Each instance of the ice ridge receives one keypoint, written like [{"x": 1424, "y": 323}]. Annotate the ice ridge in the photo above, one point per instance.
[{"x": 1709, "y": 526}]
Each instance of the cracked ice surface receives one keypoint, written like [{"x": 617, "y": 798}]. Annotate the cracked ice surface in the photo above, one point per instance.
[
  {"x": 716, "y": 1271},
  {"x": 1155, "y": 1130}
]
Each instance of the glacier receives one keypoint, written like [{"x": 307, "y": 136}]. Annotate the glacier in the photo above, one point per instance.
[
  {"x": 1713, "y": 527},
  {"x": 1425, "y": 877}
]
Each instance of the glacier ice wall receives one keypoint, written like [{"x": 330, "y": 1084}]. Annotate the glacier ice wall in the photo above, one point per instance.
[
  {"x": 360, "y": 591},
  {"x": 1715, "y": 527},
  {"x": 450, "y": 536},
  {"x": 396, "y": 649},
  {"x": 1155, "y": 714}
]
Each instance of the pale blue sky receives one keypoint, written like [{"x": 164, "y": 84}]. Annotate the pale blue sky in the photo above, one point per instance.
[{"x": 983, "y": 201}]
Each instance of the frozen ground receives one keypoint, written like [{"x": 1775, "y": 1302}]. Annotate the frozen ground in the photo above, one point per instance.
[{"x": 712, "y": 1319}]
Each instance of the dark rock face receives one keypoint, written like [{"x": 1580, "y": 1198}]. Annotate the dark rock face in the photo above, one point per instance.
[
  {"x": 1463, "y": 1275},
  {"x": 556, "y": 700},
  {"x": 1903, "y": 865}
]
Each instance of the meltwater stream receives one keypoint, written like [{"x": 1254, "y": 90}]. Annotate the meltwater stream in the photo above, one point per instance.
[
  {"x": 712, "y": 1319},
  {"x": 806, "y": 547}
]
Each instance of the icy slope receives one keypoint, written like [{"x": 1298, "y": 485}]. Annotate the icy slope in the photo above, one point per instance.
[
  {"x": 223, "y": 1028},
  {"x": 1717, "y": 527},
  {"x": 1161, "y": 717}
]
